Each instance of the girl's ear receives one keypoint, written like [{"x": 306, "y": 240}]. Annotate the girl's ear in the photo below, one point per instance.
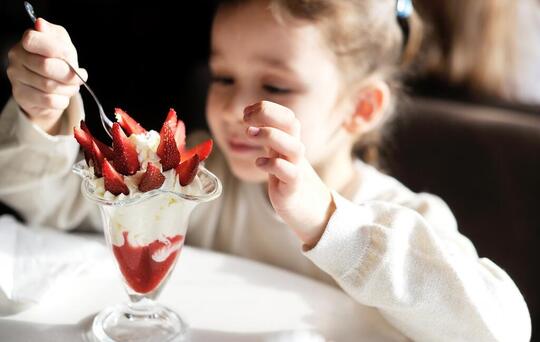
[{"x": 371, "y": 104}]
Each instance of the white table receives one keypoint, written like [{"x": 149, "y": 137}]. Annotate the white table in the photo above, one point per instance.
[{"x": 221, "y": 297}]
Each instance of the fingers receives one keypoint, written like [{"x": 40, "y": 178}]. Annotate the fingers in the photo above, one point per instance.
[
  {"x": 29, "y": 97},
  {"x": 286, "y": 145},
  {"x": 43, "y": 25},
  {"x": 46, "y": 85},
  {"x": 48, "y": 45},
  {"x": 276, "y": 128},
  {"x": 271, "y": 114},
  {"x": 50, "y": 41},
  {"x": 282, "y": 169},
  {"x": 42, "y": 81},
  {"x": 52, "y": 68}
]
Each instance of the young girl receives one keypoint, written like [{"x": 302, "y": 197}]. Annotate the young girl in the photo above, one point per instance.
[{"x": 295, "y": 85}]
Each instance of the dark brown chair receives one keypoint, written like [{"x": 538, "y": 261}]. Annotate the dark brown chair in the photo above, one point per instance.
[{"x": 484, "y": 161}]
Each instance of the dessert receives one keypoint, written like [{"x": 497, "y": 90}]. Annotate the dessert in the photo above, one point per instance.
[{"x": 146, "y": 237}]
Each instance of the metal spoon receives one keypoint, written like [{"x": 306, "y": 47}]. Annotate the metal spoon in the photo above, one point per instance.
[{"x": 105, "y": 121}]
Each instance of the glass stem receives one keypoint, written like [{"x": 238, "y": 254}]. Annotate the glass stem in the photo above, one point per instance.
[{"x": 141, "y": 306}]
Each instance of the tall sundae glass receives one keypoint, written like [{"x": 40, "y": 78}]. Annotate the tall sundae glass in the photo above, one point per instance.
[{"x": 145, "y": 232}]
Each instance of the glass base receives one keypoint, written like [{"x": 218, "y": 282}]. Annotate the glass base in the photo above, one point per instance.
[{"x": 150, "y": 323}]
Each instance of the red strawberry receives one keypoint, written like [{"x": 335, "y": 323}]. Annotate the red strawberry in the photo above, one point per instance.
[
  {"x": 114, "y": 182},
  {"x": 152, "y": 178},
  {"x": 125, "y": 159},
  {"x": 187, "y": 170},
  {"x": 97, "y": 159},
  {"x": 84, "y": 127},
  {"x": 180, "y": 135},
  {"x": 172, "y": 119},
  {"x": 203, "y": 150},
  {"x": 167, "y": 150},
  {"x": 105, "y": 149},
  {"x": 128, "y": 123},
  {"x": 85, "y": 140},
  {"x": 178, "y": 127},
  {"x": 83, "y": 136}
]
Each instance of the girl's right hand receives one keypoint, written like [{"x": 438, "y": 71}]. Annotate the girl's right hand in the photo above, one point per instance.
[{"x": 42, "y": 82}]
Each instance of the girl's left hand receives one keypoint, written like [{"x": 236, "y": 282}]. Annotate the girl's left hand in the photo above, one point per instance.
[{"x": 296, "y": 192}]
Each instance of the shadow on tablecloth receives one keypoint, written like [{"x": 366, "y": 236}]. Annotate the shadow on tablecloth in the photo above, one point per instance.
[{"x": 17, "y": 331}]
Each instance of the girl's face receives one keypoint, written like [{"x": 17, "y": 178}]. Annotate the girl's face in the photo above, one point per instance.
[{"x": 255, "y": 57}]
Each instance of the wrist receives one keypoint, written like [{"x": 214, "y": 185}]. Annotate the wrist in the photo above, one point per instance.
[
  {"x": 53, "y": 128},
  {"x": 318, "y": 229},
  {"x": 50, "y": 123}
]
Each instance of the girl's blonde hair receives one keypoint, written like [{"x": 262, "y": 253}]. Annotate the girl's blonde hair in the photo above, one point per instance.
[{"x": 366, "y": 39}]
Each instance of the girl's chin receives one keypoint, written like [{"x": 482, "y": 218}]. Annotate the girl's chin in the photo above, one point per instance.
[{"x": 246, "y": 171}]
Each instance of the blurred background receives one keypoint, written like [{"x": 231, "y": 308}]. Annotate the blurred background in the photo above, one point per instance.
[{"x": 468, "y": 129}]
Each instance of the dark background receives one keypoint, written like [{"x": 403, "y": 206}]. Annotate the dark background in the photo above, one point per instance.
[
  {"x": 141, "y": 58},
  {"x": 481, "y": 156}
]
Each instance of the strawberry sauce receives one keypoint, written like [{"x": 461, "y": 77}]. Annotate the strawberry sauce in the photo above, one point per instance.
[{"x": 144, "y": 267}]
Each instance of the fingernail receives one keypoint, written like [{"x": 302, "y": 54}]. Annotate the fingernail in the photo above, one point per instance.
[
  {"x": 253, "y": 131},
  {"x": 261, "y": 161},
  {"x": 84, "y": 74},
  {"x": 250, "y": 109}
]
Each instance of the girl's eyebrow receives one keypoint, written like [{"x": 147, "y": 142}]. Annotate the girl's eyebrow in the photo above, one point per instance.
[
  {"x": 270, "y": 62},
  {"x": 276, "y": 63}
]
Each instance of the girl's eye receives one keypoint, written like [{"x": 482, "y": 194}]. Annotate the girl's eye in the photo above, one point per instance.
[
  {"x": 276, "y": 90},
  {"x": 223, "y": 80}
]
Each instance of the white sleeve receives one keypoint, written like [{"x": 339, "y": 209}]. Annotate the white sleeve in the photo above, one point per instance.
[
  {"x": 426, "y": 279},
  {"x": 35, "y": 169}
]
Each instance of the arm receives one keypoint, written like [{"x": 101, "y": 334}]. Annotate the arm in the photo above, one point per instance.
[
  {"x": 426, "y": 279},
  {"x": 404, "y": 257},
  {"x": 36, "y": 146},
  {"x": 35, "y": 169}
]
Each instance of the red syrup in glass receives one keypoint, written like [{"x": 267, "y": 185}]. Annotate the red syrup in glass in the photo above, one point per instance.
[{"x": 144, "y": 267}]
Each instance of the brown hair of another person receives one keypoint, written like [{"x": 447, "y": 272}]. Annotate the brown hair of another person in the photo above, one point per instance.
[{"x": 469, "y": 43}]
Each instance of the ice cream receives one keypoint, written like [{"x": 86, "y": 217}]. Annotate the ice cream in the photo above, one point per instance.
[{"x": 147, "y": 235}]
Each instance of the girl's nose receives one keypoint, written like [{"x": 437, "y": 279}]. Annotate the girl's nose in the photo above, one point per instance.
[{"x": 235, "y": 104}]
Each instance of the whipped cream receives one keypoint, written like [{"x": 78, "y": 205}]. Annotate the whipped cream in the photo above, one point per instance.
[{"x": 156, "y": 218}]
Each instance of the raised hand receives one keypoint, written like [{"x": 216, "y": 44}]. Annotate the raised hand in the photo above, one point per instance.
[
  {"x": 295, "y": 190},
  {"x": 42, "y": 82}
]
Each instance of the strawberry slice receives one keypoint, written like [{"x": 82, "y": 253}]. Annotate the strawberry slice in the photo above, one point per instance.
[
  {"x": 114, "y": 182},
  {"x": 128, "y": 123},
  {"x": 178, "y": 127},
  {"x": 180, "y": 135},
  {"x": 97, "y": 159},
  {"x": 125, "y": 160},
  {"x": 105, "y": 149},
  {"x": 203, "y": 150},
  {"x": 152, "y": 178},
  {"x": 85, "y": 140},
  {"x": 187, "y": 170},
  {"x": 167, "y": 150},
  {"x": 171, "y": 119},
  {"x": 83, "y": 136}
]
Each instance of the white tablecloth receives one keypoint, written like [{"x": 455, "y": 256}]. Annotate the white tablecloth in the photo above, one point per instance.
[{"x": 221, "y": 297}]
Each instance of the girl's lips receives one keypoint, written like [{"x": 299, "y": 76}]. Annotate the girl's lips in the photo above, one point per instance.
[{"x": 243, "y": 147}]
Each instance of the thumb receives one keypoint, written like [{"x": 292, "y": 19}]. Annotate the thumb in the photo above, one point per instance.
[
  {"x": 42, "y": 25},
  {"x": 83, "y": 73}
]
